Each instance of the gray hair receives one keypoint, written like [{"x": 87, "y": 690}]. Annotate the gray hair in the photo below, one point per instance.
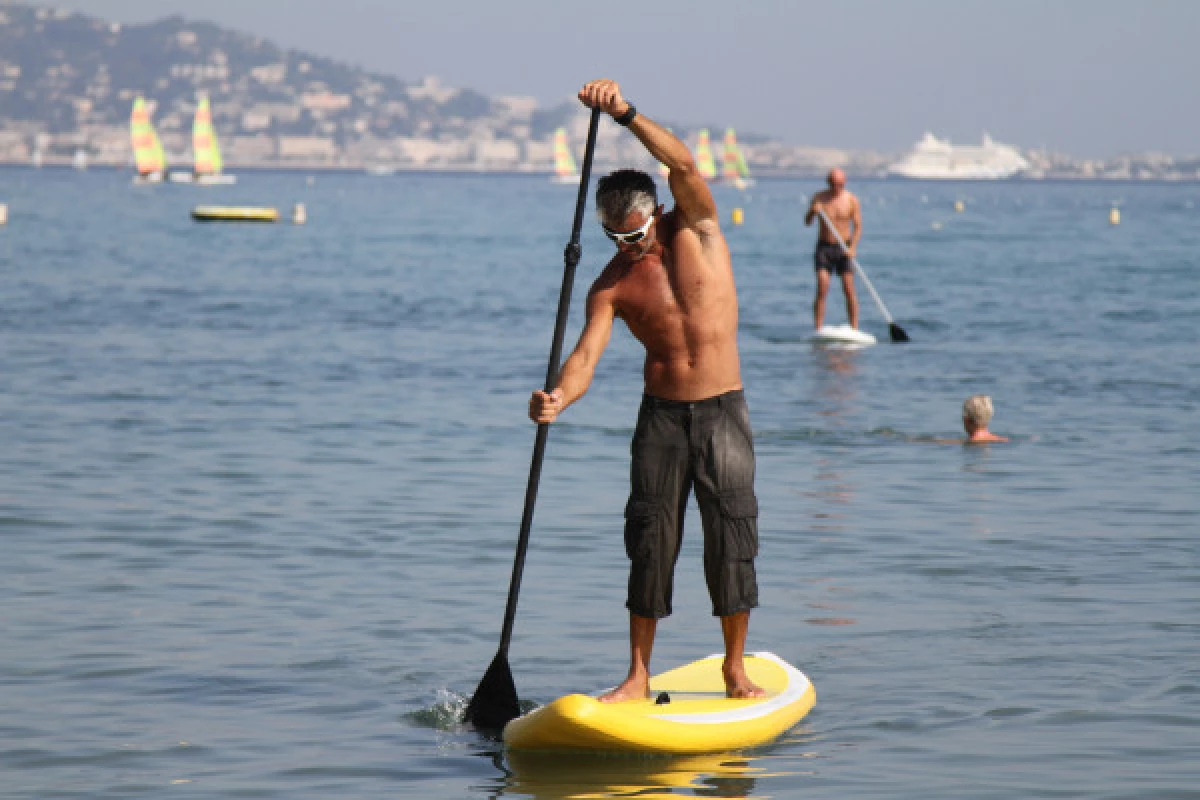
[
  {"x": 620, "y": 193},
  {"x": 978, "y": 410}
]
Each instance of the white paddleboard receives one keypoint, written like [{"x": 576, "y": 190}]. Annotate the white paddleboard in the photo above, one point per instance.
[{"x": 843, "y": 334}]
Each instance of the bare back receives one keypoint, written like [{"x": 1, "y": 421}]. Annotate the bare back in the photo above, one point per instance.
[{"x": 680, "y": 302}]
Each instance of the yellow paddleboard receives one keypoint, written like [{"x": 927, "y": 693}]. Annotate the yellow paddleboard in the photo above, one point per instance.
[
  {"x": 234, "y": 214},
  {"x": 696, "y": 716}
]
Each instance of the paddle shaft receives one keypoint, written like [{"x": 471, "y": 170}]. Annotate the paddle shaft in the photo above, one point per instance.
[
  {"x": 857, "y": 266},
  {"x": 571, "y": 258}
]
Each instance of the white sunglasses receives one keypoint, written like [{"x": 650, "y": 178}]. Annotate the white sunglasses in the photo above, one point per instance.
[{"x": 629, "y": 237}]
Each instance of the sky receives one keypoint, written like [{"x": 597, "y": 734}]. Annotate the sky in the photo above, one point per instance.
[{"x": 1091, "y": 78}]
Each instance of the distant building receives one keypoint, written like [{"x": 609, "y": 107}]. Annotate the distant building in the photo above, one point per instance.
[
  {"x": 431, "y": 89},
  {"x": 326, "y": 101},
  {"x": 270, "y": 74},
  {"x": 307, "y": 147}
]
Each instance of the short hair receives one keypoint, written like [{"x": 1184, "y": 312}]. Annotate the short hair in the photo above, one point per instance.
[
  {"x": 978, "y": 409},
  {"x": 620, "y": 193}
]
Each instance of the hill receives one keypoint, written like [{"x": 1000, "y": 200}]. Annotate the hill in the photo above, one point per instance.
[{"x": 71, "y": 79}]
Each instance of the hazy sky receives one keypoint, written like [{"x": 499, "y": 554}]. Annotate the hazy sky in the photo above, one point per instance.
[{"x": 1089, "y": 77}]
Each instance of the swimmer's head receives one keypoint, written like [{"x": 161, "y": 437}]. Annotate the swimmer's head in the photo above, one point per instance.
[{"x": 977, "y": 412}]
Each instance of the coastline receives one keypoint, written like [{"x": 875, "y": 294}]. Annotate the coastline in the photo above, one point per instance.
[{"x": 546, "y": 172}]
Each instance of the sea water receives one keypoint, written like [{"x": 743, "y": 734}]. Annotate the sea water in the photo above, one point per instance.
[{"x": 260, "y": 488}]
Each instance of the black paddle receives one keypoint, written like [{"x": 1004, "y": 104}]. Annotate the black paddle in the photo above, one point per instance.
[
  {"x": 495, "y": 701},
  {"x": 898, "y": 334}
]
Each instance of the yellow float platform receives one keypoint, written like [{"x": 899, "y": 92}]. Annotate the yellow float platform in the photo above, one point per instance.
[
  {"x": 696, "y": 716},
  {"x": 235, "y": 214}
]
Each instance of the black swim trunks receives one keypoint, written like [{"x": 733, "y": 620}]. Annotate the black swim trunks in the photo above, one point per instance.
[
  {"x": 707, "y": 445},
  {"x": 830, "y": 256}
]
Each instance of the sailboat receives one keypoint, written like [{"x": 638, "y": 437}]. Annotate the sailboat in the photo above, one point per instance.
[
  {"x": 734, "y": 170},
  {"x": 564, "y": 162},
  {"x": 147, "y": 149},
  {"x": 704, "y": 156},
  {"x": 205, "y": 152}
]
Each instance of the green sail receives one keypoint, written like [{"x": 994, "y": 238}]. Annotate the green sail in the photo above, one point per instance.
[
  {"x": 205, "y": 152},
  {"x": 147, "y": 149},
  {"x": 704, "y": 156},
  {"x": 733, "y": 160},
  {"x": 564, "y": 162}
]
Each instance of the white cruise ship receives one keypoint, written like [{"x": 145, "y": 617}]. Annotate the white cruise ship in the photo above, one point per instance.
[{"x": 937, "y": 159}]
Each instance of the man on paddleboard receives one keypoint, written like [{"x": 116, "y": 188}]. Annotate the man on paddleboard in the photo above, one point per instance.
[
  {"x": 829, "y": 259},
  {"x": 671, "y": 281}
]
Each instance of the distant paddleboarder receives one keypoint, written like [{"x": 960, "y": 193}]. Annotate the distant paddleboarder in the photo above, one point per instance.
[
  {"x": 671, "y": 281},
  {"x": 829, "y": 259}
]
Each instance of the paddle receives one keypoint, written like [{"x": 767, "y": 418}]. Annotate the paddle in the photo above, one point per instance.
[
  {"x": 898, "y": 334},
  {"x": 495, "y": 700}
]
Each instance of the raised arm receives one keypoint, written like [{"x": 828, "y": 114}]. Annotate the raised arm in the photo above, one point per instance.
[
  {"x": 576, "y": 374},
  {"x": 693, "y": 199}
]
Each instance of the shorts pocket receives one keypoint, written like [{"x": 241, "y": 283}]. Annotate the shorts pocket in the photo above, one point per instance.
[
  {"x": 739, "y": 513},
  {"x": 643, "y": 521}
]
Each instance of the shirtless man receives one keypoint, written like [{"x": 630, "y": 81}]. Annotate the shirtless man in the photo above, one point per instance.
[
  {"x": 671, "y": 281},
  {"x": 844, "y": 212}
]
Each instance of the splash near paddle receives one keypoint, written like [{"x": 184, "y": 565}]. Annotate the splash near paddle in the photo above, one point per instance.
[{"x": 687, "y": 713}]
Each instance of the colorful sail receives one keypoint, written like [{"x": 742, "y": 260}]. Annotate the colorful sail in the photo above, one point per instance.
[
  {"x": 704, "y": 156},
  {"x": 733, "y": 167},
  {"x": 206, "y": 154},
  {"x": 564, "y": 162},
  {"x": 147, "y": 149}
]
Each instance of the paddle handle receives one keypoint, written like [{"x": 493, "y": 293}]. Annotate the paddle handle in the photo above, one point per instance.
[
  {"x": 857, "y": 266},
  {"x": 571, "y": 256}
]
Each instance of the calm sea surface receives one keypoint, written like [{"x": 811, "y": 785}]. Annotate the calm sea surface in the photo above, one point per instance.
[{"x": 260, "y": 489}]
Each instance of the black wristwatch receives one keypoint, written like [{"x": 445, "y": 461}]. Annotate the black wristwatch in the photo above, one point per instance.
[{"x": 627, "y": 117}]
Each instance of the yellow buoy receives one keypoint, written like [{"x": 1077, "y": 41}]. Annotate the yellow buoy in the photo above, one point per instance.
[
  {"x": 235, "y": 214},
  {"x": 1114, "y": 216},
  {"x": 738, "y": 216},
  {"x": 959, "y": 206}
]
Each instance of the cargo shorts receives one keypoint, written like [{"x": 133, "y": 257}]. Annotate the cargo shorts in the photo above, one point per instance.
[{"x": 677, "y": 446}]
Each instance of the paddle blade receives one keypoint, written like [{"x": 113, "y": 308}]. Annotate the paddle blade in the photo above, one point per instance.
[
  {"x": 898, "y": 334},
  {"x": 495, "y": 701}
]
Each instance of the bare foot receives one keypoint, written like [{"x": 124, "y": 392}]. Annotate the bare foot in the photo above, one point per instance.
[
  {"x": 739, "y": 685},
  {"x": 630, "y": 689}
]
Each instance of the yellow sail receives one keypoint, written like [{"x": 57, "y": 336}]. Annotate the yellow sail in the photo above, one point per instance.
[
  {"x": 733, "y": 161},
  {"x": 205, "y": 152},
  {"x": 704, "y": 156},
  {"x": 564, "y": 162},
  {"x": 147, "y": 150}
]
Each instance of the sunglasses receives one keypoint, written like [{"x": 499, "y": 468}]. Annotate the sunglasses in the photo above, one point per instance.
[{"x": 629, "y": 237}]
